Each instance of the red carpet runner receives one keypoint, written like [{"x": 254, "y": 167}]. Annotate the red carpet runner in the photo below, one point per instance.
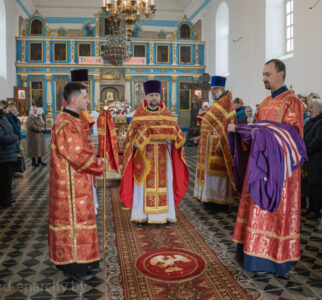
[{"x": 215, "y": 282}]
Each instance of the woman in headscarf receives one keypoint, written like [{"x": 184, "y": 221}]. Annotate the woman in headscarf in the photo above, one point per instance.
[
  {"x": 35, "y": 137},
  {"x": 249, "y": 114},
  {"x": 313, "y": 142}
]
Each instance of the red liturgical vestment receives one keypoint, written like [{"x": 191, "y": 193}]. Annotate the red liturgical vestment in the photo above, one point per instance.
[
  {"x": 274, "y": 236},
  {"x": 72, "y": 236},
  {"x": 145, "y": 159}
]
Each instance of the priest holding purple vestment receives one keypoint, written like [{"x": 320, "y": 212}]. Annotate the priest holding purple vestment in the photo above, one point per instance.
[{"x": 267, "y": 228}]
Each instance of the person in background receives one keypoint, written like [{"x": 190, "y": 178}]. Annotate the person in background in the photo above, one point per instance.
[
  {"x": 203, "y": 107},
  {"x": 256, "y": 113},
  {"x": 313, "y": 96},
  {"x": 214, "y": 179},
  {"x": 240, "y": 111},
  {"x": 307, "y": 115},
  {"x": 313, "y": 143},
  {"x": 8, "y": 156},
  {"x": 15, "y": 122},
  {"x": 249, "y": 114},
  {"x": 35, "y": 137}
]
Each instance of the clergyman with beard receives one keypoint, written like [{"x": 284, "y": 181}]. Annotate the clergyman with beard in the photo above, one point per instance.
[
  {"x": 278, "y": 230},
  {"x": 214, "y": 180},
  {"x": 154, "y": 177}
]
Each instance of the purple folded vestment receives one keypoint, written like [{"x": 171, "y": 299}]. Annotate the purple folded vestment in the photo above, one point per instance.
[{"x": 276, "y": 151}]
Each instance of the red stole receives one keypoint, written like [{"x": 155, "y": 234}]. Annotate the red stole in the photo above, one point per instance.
[
  {"x": 106, "y": 126},
  {"x": 216, "y": 119}
]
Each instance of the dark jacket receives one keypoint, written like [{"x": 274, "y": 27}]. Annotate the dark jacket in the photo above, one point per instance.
[
  {"x": 14, "y": 121},
  {"x": 8, "y": 141},
  {"x": 313, "y": 143}
]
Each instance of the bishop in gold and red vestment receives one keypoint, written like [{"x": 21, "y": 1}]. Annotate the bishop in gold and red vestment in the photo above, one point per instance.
[
  {"x": 72, "y": 235},
  {"x": 155, "y": 177},
  {"x": 214, "y": 178},
  {"x": 270, "y": 241}
]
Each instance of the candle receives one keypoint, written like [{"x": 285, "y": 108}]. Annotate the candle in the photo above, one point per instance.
[
  {"x": 163, "y": 95},
  {"x": 152, "y": 2},
  {"x": 103, "y": 3}
]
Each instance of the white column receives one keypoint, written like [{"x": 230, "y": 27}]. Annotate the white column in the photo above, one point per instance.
[
  {"x": 50, "y": 100},
  {"x": 151, "y": 53},
  {"x": 174, "y": 94},
  {"x": 48, "y": 51},
  {"x": 50, "y": 103},
  {"x": 174, "y": 53},
  {"x": 24, "y": 79},
  {"x": 23, "y": 51},
  {"x": 127, "y": 93},
  {"x": 97, "y": 79},
  {"x": 196, "y": 54},
  {"x": 72, "y": 52}
]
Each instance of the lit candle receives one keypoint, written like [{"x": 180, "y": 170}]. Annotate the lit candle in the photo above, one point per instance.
[
  {"x": 152, "y": 2},
  {"x": 103, "y": 3},
  {"x": 108, "y": 1}
]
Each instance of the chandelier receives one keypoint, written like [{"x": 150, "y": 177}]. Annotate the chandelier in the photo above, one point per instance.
[
  {"x": 132, "y": 11},
  {"x": 116, "y": 51}
]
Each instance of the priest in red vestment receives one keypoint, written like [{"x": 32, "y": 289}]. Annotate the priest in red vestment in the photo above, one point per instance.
[
  {"x": 270, "y": 241},
  {"x": 72, "y": 237},
  {"x": 214, "y": 183},
  {"x": 155, "y": 175}
]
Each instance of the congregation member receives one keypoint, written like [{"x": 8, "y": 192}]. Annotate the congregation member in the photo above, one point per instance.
[
  {"x": 249, "y": 114},
  {"x": 214, "y": 179},
  {"x": 35, "y": 137},
  {"x": 15, "y": 122},
  {"x": 313, "y": 142},
  {"x": 73, "y": 239},
  {"x": 16, "y": 125},
  {"x": 240, "y": 111},
  {"x": 8, "y": 156},
  {"x": 267, "y": 232},
  {"x": 155, "y": 176}
]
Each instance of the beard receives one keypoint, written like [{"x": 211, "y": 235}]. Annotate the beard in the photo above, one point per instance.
[
  {"x": 217, "y": 95},
  {"x": 267, "y": 85},
  {"x": 153, "y": 106}
]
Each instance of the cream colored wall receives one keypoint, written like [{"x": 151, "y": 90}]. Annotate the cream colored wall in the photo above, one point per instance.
[
  {"x": 8, "y": 81},
  {"x": 247, "y": 57}
]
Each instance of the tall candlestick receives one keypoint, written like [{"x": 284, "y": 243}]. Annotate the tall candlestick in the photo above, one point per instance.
[{"x": 163, "y": 94}]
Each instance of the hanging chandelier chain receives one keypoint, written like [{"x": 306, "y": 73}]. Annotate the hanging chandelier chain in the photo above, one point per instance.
[
  {"x": 131, "y": 10},
  {"x": 116, "y": 50}
]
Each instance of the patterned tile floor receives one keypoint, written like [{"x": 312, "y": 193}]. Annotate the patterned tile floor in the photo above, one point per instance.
[{"x": 26, "y": 272}]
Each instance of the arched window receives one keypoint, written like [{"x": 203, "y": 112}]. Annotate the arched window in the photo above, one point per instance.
[
  {"x": 222, "y": 40},
  {"x": 3, "y": 41},
  {"x": 279, "y": 28},
  {"x": 289, "y": 12}
]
